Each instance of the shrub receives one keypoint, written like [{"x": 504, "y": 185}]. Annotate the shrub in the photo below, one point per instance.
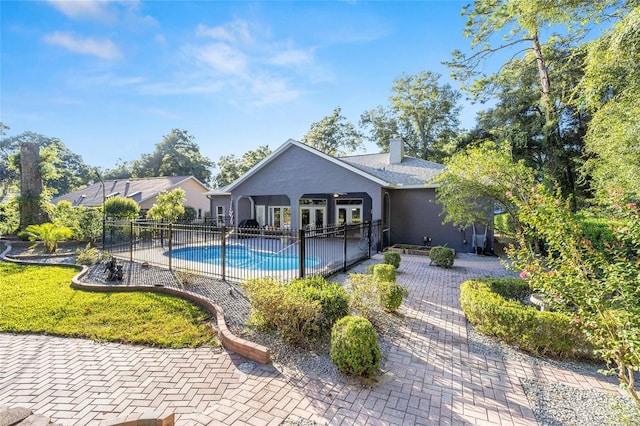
[
  {"x": 442, "y": 256},
  {"x": 364, "y": 296},
  {"x": 49, "y": 233},
  {"x": 541, "y": 333},
  {"x": 392, "y": 258},
  {"x": 333, "y": 298},
  {"x": 384, "y": 272},
  {"x": 354, "y": 346},
  {"x": 119, "y": 207},
  {"x": 391, "y": 295},
  {"x": 277, "y": 307},
  {"x": 598, "y": 230},
  {"x": 90, "y": 255}
]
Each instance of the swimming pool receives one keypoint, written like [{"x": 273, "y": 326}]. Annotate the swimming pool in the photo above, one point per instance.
[{"x": 238, "y": 256}]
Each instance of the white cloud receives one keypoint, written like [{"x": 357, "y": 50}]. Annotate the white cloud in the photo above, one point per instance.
[
  {"x": 232, "y": 32},
  {"x": 292, "y": 57},
  {"x": 85, "y": 9},
  {"x": 220, "y": 57},
  {"x": 101, "y": 48}
]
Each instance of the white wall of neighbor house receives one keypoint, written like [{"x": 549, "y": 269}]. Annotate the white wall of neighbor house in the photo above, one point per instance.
[{"x": 194, "y": 195}]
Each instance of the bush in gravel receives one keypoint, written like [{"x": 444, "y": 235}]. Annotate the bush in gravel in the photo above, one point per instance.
[
  {"x": 333, "y": 298},
  {"x": 90, "y": 255},
  {"x": 391, "y": 258},
  {"x": 390, "y": 294},
  {"x": 276, "y": 306},
  {"x": 442, "y": 256},
  {"x": 384, "y": 272},
  {"x": 554, "y": 334},
  {"x": 364, "y": 296},
  {"x": 354, "y": 346}
]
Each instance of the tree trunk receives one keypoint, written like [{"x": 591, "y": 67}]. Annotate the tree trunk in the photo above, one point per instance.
[{"x": 30, "y": 186}]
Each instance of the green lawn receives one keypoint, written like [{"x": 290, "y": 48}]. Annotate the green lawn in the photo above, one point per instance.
[{"x": 39, "y": 299}]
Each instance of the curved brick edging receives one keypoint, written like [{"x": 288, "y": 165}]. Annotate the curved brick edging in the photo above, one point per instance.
[{"x": 230, "y": 341}]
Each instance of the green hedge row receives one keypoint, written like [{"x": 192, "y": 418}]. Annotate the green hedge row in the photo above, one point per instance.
[{"x": 494, "y": 307}]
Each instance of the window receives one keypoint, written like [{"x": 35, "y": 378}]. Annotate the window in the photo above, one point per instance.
[
  {"x": 220, "y": 215},
  {"x": 280, "y": 216}
]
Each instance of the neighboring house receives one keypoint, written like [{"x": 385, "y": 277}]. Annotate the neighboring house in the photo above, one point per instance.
[
  {"x": 298, "y": 186},
  {"x": 143, "y": 191}
]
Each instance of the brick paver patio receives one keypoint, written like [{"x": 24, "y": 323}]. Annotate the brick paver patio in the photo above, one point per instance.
[{"x": 430, "y": 377}]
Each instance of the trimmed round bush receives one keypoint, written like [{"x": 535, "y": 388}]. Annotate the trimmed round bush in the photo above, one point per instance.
[
  {"x": 442, "y": 256},
  {"x": 354, "y": 346},
  {"x": 391, "y": 258},
  {"x": 391, "y": 295},
  {"x": 384, "y": 272}
]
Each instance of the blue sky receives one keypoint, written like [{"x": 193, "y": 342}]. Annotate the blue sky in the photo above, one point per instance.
[{"x": 111, "y": 78}]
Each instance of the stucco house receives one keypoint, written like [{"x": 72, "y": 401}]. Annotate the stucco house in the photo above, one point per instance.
[
  {"x": 298, "y": 186},
  {"x": 143, "y": 191}
]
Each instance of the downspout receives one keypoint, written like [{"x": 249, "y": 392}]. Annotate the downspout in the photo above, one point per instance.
[{"x": 253, "y": 207}]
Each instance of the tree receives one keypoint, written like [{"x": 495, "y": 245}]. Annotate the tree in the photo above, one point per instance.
[
  {"x": 423, "y": 112},
  {"x": 30, "y": 201},
  {"x": 62, "y": 170},
  {"x": 232, "y": 168},
  {"x": 169, "y": 205},
  {"x": 599, "y": 288},
  {"x": 480, "y": 178},
  {"x": 121, "y": 208},
  {"x": 429, "y": 112},
  {"x": 333, "y": 135},
  {"x": 611, "y": 89},
  {"x": 176, "y": 155},
  {"x": 522, "y": 22},
  {"x": 518, "y": 119}
]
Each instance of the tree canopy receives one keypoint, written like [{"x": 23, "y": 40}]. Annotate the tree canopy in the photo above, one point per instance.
[
  {"x": 422, "y": 111},
  {"x": 611, "y": 89},
  {"x": 334, "y": 135},
  {"x": 176, "y": 155},
  {"x": 232, "y": 167}
]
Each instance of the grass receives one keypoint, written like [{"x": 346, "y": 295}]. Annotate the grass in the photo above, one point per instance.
[{"x": 39, "y": 299}]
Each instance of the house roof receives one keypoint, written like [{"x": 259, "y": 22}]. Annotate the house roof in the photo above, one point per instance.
[
  {"x": 411, "y": 173},
  {"x": 139, "y": 190}
]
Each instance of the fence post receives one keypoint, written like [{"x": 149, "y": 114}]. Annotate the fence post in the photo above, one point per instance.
[
  {"x": 301, "y": 253},
  {"x": 223, "y": 251},
  {"x": 369, "y": 230},
  {"x": 131, "y": 241},
  {"x": 344, "y": 265},
  {"x": 169, "y": 244}
]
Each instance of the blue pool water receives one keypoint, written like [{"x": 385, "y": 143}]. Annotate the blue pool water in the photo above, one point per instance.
[{"x": 238, "y": 256}]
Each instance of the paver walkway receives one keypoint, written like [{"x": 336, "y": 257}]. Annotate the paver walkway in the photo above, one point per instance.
[{"x": 430, "y": 377}]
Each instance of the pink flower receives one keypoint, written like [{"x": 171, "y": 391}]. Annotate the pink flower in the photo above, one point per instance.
[
  {"x": 525, "y": 275},
  {"x": 509, "y": 194},
  {"x": 577, "y": 320}
]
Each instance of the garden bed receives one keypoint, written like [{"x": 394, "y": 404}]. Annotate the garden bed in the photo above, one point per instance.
[{"x": 413, "y": 249}]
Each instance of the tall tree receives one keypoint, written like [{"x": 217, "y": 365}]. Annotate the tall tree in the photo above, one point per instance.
[
  {"x": 176, "y": 155},
  {"x": 30, "y": 202},
  {"x": 333, "y": 135},
  {"x": 611, "y": 89},
  {"x": 517, "y": 117},
  {"x": 424, "y": 112},
  {"x": 528, "y": 23},
  {"x": 62, "y": 170},
  {"x": 231, "y": 167}
]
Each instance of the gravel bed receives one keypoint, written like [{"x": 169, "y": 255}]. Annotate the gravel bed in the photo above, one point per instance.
[{"x": 557, "y": 404}]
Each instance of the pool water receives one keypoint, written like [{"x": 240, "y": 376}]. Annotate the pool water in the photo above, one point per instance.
[{"x": 237, "y": 256}]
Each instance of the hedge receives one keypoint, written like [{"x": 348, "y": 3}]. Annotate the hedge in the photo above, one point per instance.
[{"x": 486, "y": 304}]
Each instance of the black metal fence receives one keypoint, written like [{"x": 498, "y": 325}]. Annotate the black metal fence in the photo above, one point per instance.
[{"x": 236, "y": 254}]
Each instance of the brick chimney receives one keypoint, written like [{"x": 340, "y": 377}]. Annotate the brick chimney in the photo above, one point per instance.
[{"x": 396, "y": 150}]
